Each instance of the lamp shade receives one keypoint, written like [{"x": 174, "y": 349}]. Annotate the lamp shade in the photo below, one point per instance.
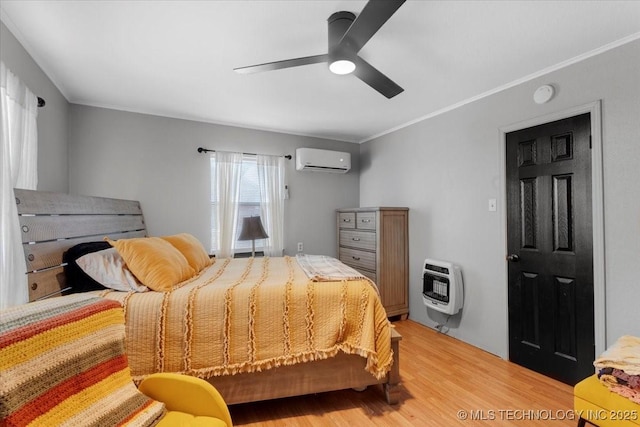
[{"x": 252, "y": 229}]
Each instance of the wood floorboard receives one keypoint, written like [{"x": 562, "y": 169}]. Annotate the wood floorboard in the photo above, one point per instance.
[{"x": 441, "y": 376}]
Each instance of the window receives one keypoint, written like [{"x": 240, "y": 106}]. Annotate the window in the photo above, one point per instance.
[
  {"x": 249, "y": 201},
  {"x": 242, "y": 185}
]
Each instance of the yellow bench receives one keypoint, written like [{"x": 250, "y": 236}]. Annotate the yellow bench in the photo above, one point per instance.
[{"x": 594, "y": 403}]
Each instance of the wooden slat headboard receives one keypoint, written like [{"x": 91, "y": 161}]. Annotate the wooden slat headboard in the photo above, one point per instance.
[{"x": 52, "y": 222}]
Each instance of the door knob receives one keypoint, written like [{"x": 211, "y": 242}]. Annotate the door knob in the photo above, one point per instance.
[{"x": 513, "y": 258}]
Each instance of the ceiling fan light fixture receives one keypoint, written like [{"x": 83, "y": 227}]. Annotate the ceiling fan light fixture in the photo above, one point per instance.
[{"x": 342, "y": 66}]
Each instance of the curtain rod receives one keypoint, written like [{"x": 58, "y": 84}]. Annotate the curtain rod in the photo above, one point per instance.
[{"x": 206, "y": 150}]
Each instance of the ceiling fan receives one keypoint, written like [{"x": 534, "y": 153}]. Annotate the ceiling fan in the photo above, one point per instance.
[{"x": 347, "y": 35}]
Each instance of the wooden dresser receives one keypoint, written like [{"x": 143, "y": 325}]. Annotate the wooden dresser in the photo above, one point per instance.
[{"x": 375, "y": 241}]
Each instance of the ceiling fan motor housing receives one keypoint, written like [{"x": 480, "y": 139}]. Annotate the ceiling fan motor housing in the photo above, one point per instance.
[{"x": 338, "y": 24}]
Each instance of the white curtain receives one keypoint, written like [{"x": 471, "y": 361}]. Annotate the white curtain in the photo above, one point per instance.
[
  {"x": 271, "y": 179},
  {"x": 18, "y": 159},
  {"x": 225, "y": 190}
]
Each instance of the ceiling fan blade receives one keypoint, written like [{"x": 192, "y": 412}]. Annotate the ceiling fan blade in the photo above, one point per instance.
[
  {"x": 374, "y": 78},
  {"x": 278, "y": 65},
  {"x": 372, "y": 17}
]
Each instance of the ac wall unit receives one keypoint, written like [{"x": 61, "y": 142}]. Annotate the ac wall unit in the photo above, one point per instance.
[{"x": 312, "y": 159}]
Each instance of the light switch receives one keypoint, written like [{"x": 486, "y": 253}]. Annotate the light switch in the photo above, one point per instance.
[{"x": 492, "y": 205}]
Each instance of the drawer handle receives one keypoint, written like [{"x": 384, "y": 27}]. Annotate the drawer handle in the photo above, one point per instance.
[
  {"x": 346, "y": 220},
  {"x": 355, "y": 239},
  {"x": 357, "y": 258},
  {"x": 366, "y": 220}
]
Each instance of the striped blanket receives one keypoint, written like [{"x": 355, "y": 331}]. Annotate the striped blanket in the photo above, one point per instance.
[
  {"x": 62, "y": 363},
  {"x": 251, "y": 314}
]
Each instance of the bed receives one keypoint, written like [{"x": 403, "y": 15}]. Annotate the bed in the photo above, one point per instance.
[{"x": 316, "y": 344}]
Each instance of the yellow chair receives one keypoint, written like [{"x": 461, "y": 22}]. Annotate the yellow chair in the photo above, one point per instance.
[
  {"x": 594, "y": 403},
  {"x": 189, "y": 400},
  {"x": 63, "y": 361}
]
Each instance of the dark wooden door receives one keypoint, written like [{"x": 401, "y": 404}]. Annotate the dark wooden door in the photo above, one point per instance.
[{"x": 550, "y": 259}]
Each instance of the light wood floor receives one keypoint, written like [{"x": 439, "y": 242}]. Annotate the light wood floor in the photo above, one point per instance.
[{"x": 441, "y": 378}]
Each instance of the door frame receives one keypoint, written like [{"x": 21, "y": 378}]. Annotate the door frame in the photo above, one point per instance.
[{"x": 597, "y": 207}]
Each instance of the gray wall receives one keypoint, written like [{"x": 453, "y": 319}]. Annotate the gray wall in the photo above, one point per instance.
[
  {"x": 52, "y": 119},
  {"x": 110, "y": 153},
  {"x": 155, "y": 160},
  {"x": 450, "y": 168}
]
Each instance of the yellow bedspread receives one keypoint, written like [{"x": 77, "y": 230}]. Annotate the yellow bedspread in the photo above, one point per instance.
[{"x": 251, "y": 314}]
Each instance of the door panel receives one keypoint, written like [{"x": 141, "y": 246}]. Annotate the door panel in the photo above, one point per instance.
[
  {"x": 530, "y": 301},
  {"x": 550, "y": 234},
  {"x": 562, "y": 214},
  {"x": 529, "y": 212}
]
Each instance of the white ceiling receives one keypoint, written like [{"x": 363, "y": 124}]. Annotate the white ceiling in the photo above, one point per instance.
[{"x": 176, "y": 58}]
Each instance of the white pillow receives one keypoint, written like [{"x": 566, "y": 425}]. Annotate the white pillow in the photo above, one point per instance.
[{"x": 109, "y": 269}]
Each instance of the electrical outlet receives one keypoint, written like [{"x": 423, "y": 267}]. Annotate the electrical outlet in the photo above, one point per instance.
[{"x": 300, "y": 247}]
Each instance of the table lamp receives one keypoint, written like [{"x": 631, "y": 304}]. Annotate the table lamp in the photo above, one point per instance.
[{"x": 252, "y": 229}]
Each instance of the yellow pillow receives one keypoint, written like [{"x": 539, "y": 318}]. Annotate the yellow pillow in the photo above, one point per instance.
[
  {"x": 155, "y": 262},
  {"x": 191, "y": 248}
]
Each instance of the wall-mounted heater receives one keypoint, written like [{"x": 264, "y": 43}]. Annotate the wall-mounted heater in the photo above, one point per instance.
[{"x": 442, "y": 286}]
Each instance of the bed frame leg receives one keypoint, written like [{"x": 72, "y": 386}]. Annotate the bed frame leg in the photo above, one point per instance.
[
  {"x": 391, "y": 387},
  {"x": 581, "y": 422},
  {"x": 391, "y": 393}
]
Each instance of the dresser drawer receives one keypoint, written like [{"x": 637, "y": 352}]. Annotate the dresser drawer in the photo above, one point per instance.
[
  {"x": 358, "y": 259},
  {"x": 366, "y": 220},
  {"x": 347, "y": 220},
  {"x": 370, "y": 274},
  {"x": 358, "y": 239}
]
